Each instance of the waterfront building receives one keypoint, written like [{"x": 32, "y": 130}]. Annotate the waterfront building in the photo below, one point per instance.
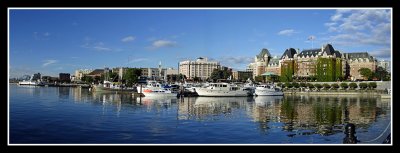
[
  {"x": 201, "y": 68},
  {"x": 172, "y": 74},
  {"x": 64, "y": 77},
  {"x": 359, "y": 60},
  {"x": 287, "y": 64},
  {"x": 36, "y": 76},
  {"x": 153, "y": 73},
  {"x": 260, "y": 63},
  {"x": 274, "y": 66},
  {"x": 96, "y": 73},
  {"x": 82, "y": 72},
  {"x": 242, "y": 75},
  {"x": 250, "y": 67},
  {"x": 120, "y": 71},
  {"x": 384, "y": 64},
  {"x": 49, "y": 79},
  {"x": 325, "y": 63}
]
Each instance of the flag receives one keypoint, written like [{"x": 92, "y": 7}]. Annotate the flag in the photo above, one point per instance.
[{"x": 311, "y": 38}]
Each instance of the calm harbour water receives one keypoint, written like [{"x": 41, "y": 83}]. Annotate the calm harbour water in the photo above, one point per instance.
[{"x": 63, "y": 115}]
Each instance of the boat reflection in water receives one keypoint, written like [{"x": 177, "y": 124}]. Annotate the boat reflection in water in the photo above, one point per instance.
[
  {"x": 215, "y": 107},
  {"x": 265, "y": 101},
  {"x": 302, "y": 119},
  {"x": 157, "y": 101}
]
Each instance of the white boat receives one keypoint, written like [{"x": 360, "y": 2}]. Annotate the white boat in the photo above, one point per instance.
[
  {"x": 152, "y": 85},
  {"x": 268, "y": 90},
  {"x": 154, "y": 88},
  {"x": 163, "y": 92},
  {"x": 29, "y": 82},
  {"x": 111, "y": 86},
  {"x": 222, "y": 90}
]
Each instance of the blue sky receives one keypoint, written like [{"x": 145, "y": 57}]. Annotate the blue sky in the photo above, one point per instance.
[{"x": 55, "y": 41}]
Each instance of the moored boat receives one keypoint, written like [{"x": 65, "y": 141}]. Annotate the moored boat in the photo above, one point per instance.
[
  {"x": 222, "y": 90},
  {"x": 109, "y": 86},
  {"x": 267, "y": 90}
]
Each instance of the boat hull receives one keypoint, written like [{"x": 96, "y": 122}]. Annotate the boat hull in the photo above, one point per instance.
[
  {"x": 153, "y": 94},
  {"x": 221, "y": 93},
  {"x": 268, "y": 93},
  {"x": 104, "y": 89}
]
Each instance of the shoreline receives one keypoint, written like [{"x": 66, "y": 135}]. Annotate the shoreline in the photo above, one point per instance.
[{"x": 339, "y": 93}]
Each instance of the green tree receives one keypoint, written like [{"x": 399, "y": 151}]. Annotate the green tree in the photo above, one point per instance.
[
  {"x": 279, "y": 84},
  {"x": 196, "y": 79},
  {"x": 296, "y": 85},
  {"x": 312, "y": 78},
  {"x": 372, "y": 85},
  {"x": 363, "y": 85},
  {"x": 303, "y": 85},
  {"x": 309, "y": 85},
  {"x": 353, "y": 85},
  {"x": 283, "y": 85},
  {"x": 259, "y": 78},
  {"x": 220, "y": 74},
  {"x": 97, "y": 79},
  {"x": 318, "y": 86},
  {"x": 87, "y": 79},
  {"x": 288, "y": 85},
  {"x": 381, "y": 74},
  {"x": 366, "y": 73},
  {"x": 335, "y": 86},
  {"x": 344, "y": 85},
  {"x": 131, "y": 76},
  {"x": 113, "y": 77},
  {"x": 326, "y": 86},
  {"x": 182, "y": 77}
]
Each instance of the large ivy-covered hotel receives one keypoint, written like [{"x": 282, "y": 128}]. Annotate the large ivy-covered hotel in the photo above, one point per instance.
[{"x": 322, "y": 64}]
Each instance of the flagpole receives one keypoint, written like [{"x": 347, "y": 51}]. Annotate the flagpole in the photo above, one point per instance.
[{"x": 312, "y": 43}]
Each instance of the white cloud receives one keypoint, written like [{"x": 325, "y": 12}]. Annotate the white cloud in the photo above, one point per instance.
[
  {"x": 336, "y": 17},
  {"x": 48, "y": 62},
  {"x": 329, "y": 24},
  {"x": 360, "y": 27},
  {"x": 237, "y": 60},
  {"x": 137, "y": 60},
  {"x": 178, "y": 35},
  {"x": 163, "y": 43},
  {"x": 128, "y": 39},
  {"x": 100, "y": 48},
  {"x": 381, "y": 53},
  {"x": 46, "y": 34},
  {"x": 287, "y": 32},
  {"x": 41, "y": 36}
]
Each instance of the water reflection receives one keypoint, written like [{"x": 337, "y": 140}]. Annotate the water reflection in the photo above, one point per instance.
[
  {"x": 327, "y": 115},
  {"x": 207, "y": 107},
  {"x": 323, "y": 114},
  {"x": 295, "y": 115},
  {"x": 157, "y": 103},
  {"x": 264, "y": 110},
  {"x": 63, "y": 92}
]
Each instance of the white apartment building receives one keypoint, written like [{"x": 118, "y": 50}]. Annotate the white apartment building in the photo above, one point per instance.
[
  {"x": 81, "y": 72},
  {"x": 201, "y": 68}
]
